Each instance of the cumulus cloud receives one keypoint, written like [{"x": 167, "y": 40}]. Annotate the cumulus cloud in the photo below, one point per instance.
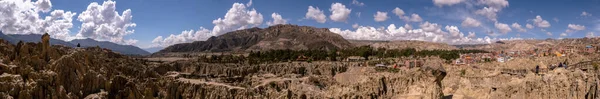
[
  {"x": 357, "y": 3},
  {"x": 471, "y": 35},
  {"x": 529, "y": 26},
  {"x": 277, "y": 19},
  {"x": 470, "y": 22},
  {"x": 355, "y": 25},
  {"x": 43, "y": 5},
  {"x": 380, "y": 16},
  {"x": 339, "y": 12},
  {"x": 590, "y": 35},
  {"x": 399, "y": 12},
  {"x": 576, "y": 27},
  {"x": 184, "y": 37},
  {"x": 585, "y": 14},
  {"x": 503, "y": 28},
  {"x": 495, "y": 3},
  {"x": 446, "y": 2},
  {"x": 518, "y": 27},
  {"x": 486, "y": 8},
  {"x": 103, "y": 22},
  {"x": 431, "y": 32},
  {"x": 238, "y": 17},
  {"x": 23, "y": 17},
  {"x": 316, "y": 14},
  {"x": 407, "y": 26},
  {"x": 490, "y": 13},
  {"x": 412, "y": 18},
  {"x": 539, "y": 22},
  {"x": 563, "y": 34}
]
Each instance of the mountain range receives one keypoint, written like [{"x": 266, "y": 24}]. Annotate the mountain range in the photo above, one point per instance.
[
  {"x": 274, "y": 37},
  {"x": 123, "y": 49}
]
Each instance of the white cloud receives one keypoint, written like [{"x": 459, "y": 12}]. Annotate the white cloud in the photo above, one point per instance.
[
  {"x": 44, "y": 5},
  {"x": 431, "y": 32},
  {"x": 355, "y": 25},
  {"x": 539, "y": 22},
  {"x": 184, "y": 37},
  {"x": 446, "y": 2},
  {"x": 316, "y": 14},
  {"x": 585, "y": 14},
  {"x": 470, "y": 22},
  {"x": 249, "y": 3},
  {"x": 238, "y": 17},
  {"x": 339, "y": 12},
  {"x": 380, "y": 16},
  {"x": 407, "y": 26},
  {"x": 576, "y": 27},
  {"x": 413, "y": 18},
  {"x": 358, "y": 14},
  {"x": 503, "y": 28},
  {"x": 23, "y": 17},
  {"x": 563, "y": 34},
  {"x": 489, "y": 12},
  {"x": 355, "y": 2},
  {"x": 495, "y": 3},
  {"x": 549, "y": 33},
  {"x": 555, "y": 19},
  {"x": 590, "y": 35},
  {"x": 102, "y": 22},
  {"x": 277, "y": 19},
  {"x": 529, "y": 26},
  {"x": 399, "y": 12},
  {"x": 518, "y": 27},
  {"x": 471, "y": 35}
]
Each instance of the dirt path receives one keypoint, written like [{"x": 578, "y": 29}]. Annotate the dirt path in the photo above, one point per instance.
[
  {"x": 196, "y": 81},
  {"x": 267, "y": 81}
]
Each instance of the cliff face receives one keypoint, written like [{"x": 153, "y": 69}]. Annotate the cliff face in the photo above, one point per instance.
[{"x": 274, "y": 37}]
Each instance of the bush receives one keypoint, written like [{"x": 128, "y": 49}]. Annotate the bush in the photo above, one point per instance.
[
  {"x": 595, "y": 65},
  {"x": 462, "y": 72}
]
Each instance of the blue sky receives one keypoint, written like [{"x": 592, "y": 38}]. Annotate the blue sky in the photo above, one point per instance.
[{"x": 154, "y": 18}]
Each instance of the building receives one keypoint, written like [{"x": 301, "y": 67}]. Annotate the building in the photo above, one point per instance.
[{"x": 355, "y": 58}]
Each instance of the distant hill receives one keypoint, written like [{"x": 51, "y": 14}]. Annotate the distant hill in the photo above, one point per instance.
[
  {"x": 274, "y": 37},
  {"x": 401, "y": 44},
  {"x": 37, "y": 38},
  {"x": 8, "y": 38},
  {"x": 123, "y": 49},
  {"x": 153, "y": 49}
]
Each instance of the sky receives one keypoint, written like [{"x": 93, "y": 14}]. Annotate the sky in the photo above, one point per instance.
[{"x": 160, "y": 23}]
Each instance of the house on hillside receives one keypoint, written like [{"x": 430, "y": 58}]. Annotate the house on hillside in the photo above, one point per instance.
[
  {"x": 590, "y": 49},
  {"x": 355, "y": 58},
  {"x": 302, "y": 58}
]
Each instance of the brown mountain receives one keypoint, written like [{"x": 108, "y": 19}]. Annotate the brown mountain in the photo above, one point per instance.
[{"x": 274, "y": 37}]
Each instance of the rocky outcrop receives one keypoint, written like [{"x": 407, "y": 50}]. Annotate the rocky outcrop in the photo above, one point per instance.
[
  {"x": 40, "y": 71},
  {"x": 574, "y": 83},
  {"x": 297, "y": 80}
]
